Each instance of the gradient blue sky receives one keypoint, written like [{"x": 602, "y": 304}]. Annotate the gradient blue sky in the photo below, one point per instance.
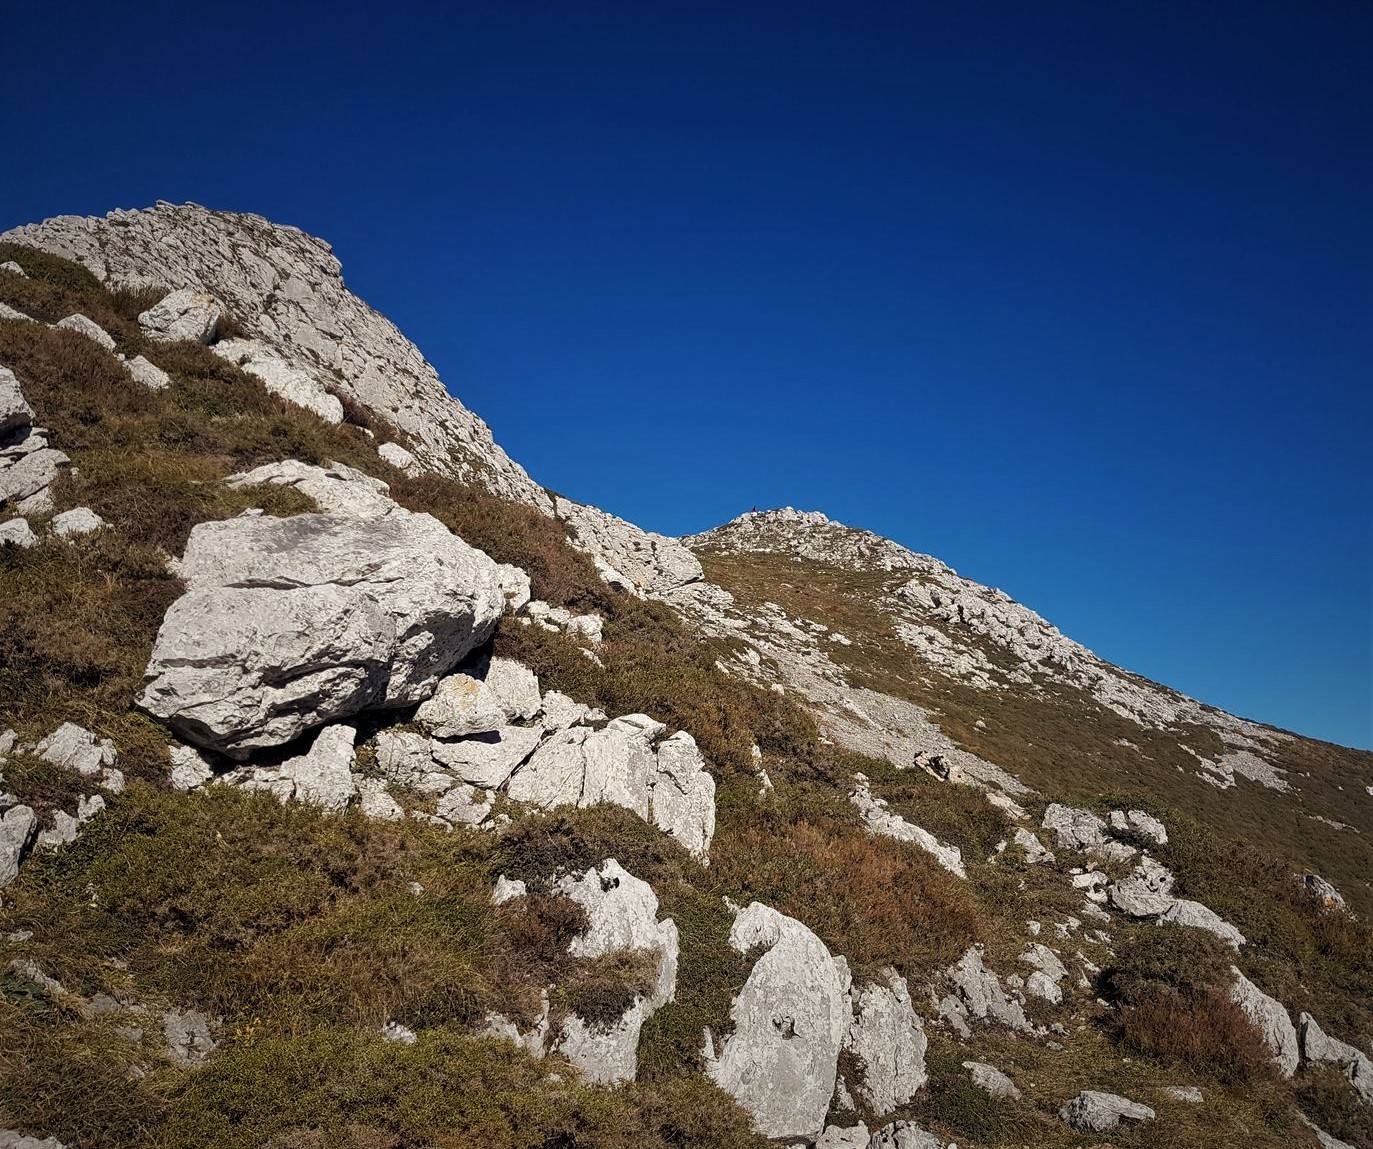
[{"x": 1076, "y": 296}]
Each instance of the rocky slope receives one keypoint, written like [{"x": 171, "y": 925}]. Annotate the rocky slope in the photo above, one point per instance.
[{"x": 360, "y": 792}]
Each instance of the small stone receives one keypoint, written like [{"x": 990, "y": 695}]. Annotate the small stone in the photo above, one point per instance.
[
  {"x": 1094, "y": 1112},
  {"x": 79, "y": 521},
  {"x": 18, "y": 829},
  {"x": 394, "y": 1031},
  {"x": 149, "y": 374},
  {"x": 18, "y": 533},
  {"x": 14, "y": 269},
  {"x": 87, "y": 327},
  {"x": 1188, "y": 1093},
  {"x": 507, "y": 890},
  {"x": 991, "y": 1080},
  {"x": 75, "y": 748},
  {"x": 188, "y": 1036}
]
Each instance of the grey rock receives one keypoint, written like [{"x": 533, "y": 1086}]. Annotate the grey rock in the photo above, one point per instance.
[
  {"x": 463, "y": 805},
  {"x": 1188, "y": 1093},
  {"x": 843, "y": 1137},
  {"x": 322, "y": 776},
  {"x": 532, "y": 1041},
  {"x": 488, "y": 760},
  {"x": 14, "y": 269},
  {"x": 1095, "y": 1112},
  {"x": 888, "y": 1040},
  {"x": 507, "y": 890},
  {"x": 1035, "y": 853},
  {"x": 189, "y": 770},
  {"x": 15, "y": 412},
  {"x": 336, "y": 489},
  {"x": 1327, "y": 895},
  {"x": 879, "y": 820},
  {"x": 991, "y": 1080},
  {"x": 73, "y": 747},
  {"x": 283, "y": 379},
  {"x": 17, "y": 532},
  {"x": 1317, "y": 1047},
  {"x": 1270, "y": 1018},
  {"x": 18, "y": 829},
  {"x": 481, "y": 701},
  {"x": 29, "y": 474},
  {"x": 558, "y": 712},
  {"x": 87, "y": 327},
  {"x": 398, "y": 457},
  {"x": 148, "y": 374},
  {"x": 288, "y": 624},
  {"x": 638, "y": 560},
  {"x": 375, "y": 801},
  {"x": 13, "y": 1139},
  {"x": 8, "y": 312},
  {"x": 978, "y": 991},
  {"x": 1076, "y": 829},
  {"x": 183, "y": 314},
  {"x": 78, "y": 521},
  {"x": 288, "y": 287},
  {"x": 1146, "y": 893},
  {"x": 1188, "y": 913},
  {"x": 187, "y": 1032},
  {"x": 780, "y": 1061},
  {"x": 1140, "y": 824},
  {"x": 66, "y": 827},
  {"x": 904, "y": 1135},
  {"x": 394, "y": 1031},
  {"x": 404, "y": 757}
]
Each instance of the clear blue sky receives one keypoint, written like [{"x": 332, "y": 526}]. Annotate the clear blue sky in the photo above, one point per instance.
[{"x": 1076, "y": 296}]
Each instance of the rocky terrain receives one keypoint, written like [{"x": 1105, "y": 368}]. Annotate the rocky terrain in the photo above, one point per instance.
[{"x": 357, "y": 791}]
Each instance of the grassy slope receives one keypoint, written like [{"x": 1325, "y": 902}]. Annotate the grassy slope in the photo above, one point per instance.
[{"x": 298, "y": 929}]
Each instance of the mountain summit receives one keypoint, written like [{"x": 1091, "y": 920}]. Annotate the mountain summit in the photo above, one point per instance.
[{"x": 360, "y": 792}]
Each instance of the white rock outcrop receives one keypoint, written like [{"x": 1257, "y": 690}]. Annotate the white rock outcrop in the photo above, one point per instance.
[
  {"x": 977, "y": 995},
  {"x": 790, "y": 1019},
  {"x": 184, "y": 314},
  {"x": 294, "y": 384},
  {"x": 18, "y": 829},
  {"x": 888, "y": 1041},
  {"x": 1318, "y": 1047},
  {"x": 1270, "y": 1018},
  {"x": 288, "y": 624},
  {"x": 87, "y": 327},
  {"x": 991, "y": 1080},
  {"x": 881, "y": 821},
  {"x": 322, "y": 776},
  {"x": 1092, "y": 1111},
  {"x": 481, "y": 701},
  {"x": 18, "y": 533},
  {"x": 635, "y": 559},
  {"x": 667, "y": 785},
  {"x": 148, "y": 374},
  {"x": 78, "y": 521}
]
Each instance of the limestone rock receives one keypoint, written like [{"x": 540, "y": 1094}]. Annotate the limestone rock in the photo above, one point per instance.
[
  {"x": 904, "y": 1135},
  {"x": 1094, "y": 1112},
  {"x": 28, "y": 474},
  {"x": 336, "y": 489},
  {"x": 18, "y": 829},
  {"x": 668, "y": 786},
  {"x": 288, "y": 288},
  {"x": 187, "y": 1032},
  {"x": 78, "y": 521},
  {"x": 1270, "y": 1018},
  {"x": 14, "y": 269},
  {"x": 1077, "y": 829},
  {"x": 978, "y": 993},
  {"x": 398, "y": 457},
  {"x": 557, "y": 618},
  {"x": 66, "y": 827},
  {"x": 646, "y": 562},
  {"x": 843, "y": 1137},
  {"x": 463, "y": 805},
  {"x": 481, "y": 701},
  {"x": 779, "y": 1063},
  {"x": 375, "y": 801},
  {"x": 1188, "y": 1093},
  {"x": 15, "y": 412},
  {"x": 288, "y": 382},
  {"x": 880, "y": 820},
  {"x": 75, "y": 748},
  {"x": 148, "y": 374},
  {"x": 991, "y": 1080},
  {"x": 17, "y": 532},
  {"x": 1188, "y": 913},
  {"x": 189, "y": 770},
  {"x": 622, "y": 914},
  {"x": 1146, "y": 893},
  {"x": 323, "y": 776},
  {"x": 1326, "y": 894},
  {"x": 1049, "y": 972},
  {"x": 1140, "y": 824},
  {"x": 183, "y": 314},
  {"x": 87, "y": 327},
  {"x": 1317, "y": 1046},
  {"x": 887, "y": 1038},
  {"x": 1035, "y": 853},
  {"x": 13, "y": 1139},
  {"x": 558, "y": 712},
  {"x": 394, "y": 1031},
  {"x": 288, "y": 624},
  {"x": 487, "y": 760},
  {"x": 507, "y": 890}
]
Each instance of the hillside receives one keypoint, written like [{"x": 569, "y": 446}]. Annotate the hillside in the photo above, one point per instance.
[{"x": 361, "y": 792}]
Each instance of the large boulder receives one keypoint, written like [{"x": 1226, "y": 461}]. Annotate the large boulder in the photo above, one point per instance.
[
  {"x": 977, "y": 995},
  {"x": 780, "y": 1062},
  {"x": 888, "y": 1041},
  {"x": 290, "y": 624}
]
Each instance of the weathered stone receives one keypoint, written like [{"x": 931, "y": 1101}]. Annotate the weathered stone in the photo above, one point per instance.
[
  {"x": 78, "y": 521},
  {"x": 323, "y": 776},
  {"x": 507, "y": 890},
  {"x": 904, "y": 1135},
  {"x": 779, "y": 1063},
  {"x": 29, "y": 474},
  {"x": 1094, "y": 1112},
  {"x": 463, "y": 805},
  {"x": 285, "y": 380},
  {"x": 481, "y": 701},
  {"x": 187, "y": 1032},
  {"x": 288, "y": 624},
  {"x": 978, "y": 991},
  {"x": 148, "y": 374},
  {"x": 189, "y": 770},
  {"x": 1077, "y": 829},
  {"x": 87, "y": 327},
  {"x": 1317, "y": 1046},
  {"x": 532, "y": 1041},
  {"x": 683, "y": 794},
  {"x": 991, "y": 1080},
  {"x": 66, "y": 826},
  {"x": 399, "y": 457},
  {"x": 1324, "y": 893},
  {"x": 336, "y": 489},
  {"x": 1188, "y": 1093},
  {"x": 488, "y": 760},
  {"x": 1188, "y": 913},
  {"x": 888, "y": 1040},
  {"x": 13, "y": 1139},
  {"x": 75, "y": 748},
  {"x": 404, "y": 757},
  {"x": 879, "y": 820},
  {"x": 622, "y": 914},
  {"x": 15, "y": 412},
  {"x": 14, "y": 269},
  {"x": 558, "y": 712},
  {"x": 17, "y": 532},
  {"x": 1035, "y": 853},
  {"x": 844, "y": 1137},
  {"x": 183, "y": 314},
  {"x": 1049, "y": 972},
  {"x": 1146, "y": 893},
  {"x": 375, "y": 801},
  {"x": 18, "y": 829},
  {"x": 401, "y": 1034},
  {"x": 1140, "y": 824},
  {"x": 643, "y": 561},
  {"x": 1270, "y": 1018}
]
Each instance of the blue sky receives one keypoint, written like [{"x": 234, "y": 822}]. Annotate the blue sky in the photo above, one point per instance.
[{"x": 1078, "y": 297}]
